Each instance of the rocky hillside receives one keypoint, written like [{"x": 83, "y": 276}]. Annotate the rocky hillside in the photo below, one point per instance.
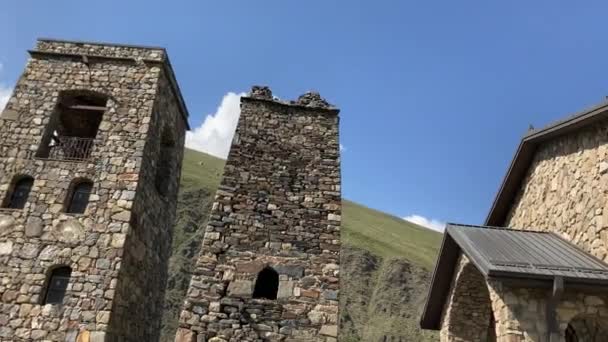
[{"x": 385, "y": 272}]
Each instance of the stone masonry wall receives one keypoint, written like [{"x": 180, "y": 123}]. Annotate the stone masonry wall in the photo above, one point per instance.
[
  {"x": 278, "y": 205},
  {"x": 520, "y": 314},
  {"x": 466, "y": 317},
  {"x": 566, "y": 190},
  {"x": 100, "y": 244}
]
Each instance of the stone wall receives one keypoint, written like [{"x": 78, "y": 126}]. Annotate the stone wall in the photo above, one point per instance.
[
  {"x": 520, "y": 314},
  {"x": 113, "y": 262},
  {"x": 278, "y": 206},
  {"x": 565, "y": 190},
  {"x": 467, "y": 312}
]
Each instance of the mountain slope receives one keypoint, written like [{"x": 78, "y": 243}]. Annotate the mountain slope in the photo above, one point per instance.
[{"x": 385, "y": 269}]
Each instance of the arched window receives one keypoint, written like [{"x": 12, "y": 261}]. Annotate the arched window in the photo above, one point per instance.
[
  {"x": 586, "y": 328},
  {"x": 164, "y": 169},
  {"x": 267, "y": 284},
  {"x": 571, "y": 334},
  {"x": 17, "y": 196},
  {"x": 78, "y": 197},
  {"x": 57, "y": 285}
]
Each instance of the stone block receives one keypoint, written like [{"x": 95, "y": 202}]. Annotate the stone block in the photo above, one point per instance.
[
  {"x": 98, "y": 336},
  {"x": 240, "y": 288},
  {"x": 7, "y": 223},
  {"x": 329, "y": 330},
  {"x": 294, "y": 271},
  {"x": 6, "y": 248},
  {"x": 33, "y": 227},
  {"x": 10, "y": 115},
  {"x": 252, "y": 267},
  {"x": 285, "y": 289},
  {"x": 185, "y": 335}
]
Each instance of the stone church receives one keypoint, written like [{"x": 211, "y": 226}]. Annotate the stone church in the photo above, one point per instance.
[{"x": 545, "y": 277}]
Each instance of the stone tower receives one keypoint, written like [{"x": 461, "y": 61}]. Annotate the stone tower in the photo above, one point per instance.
[
  {"x": 90, "y": 155},
  {"x": 268, "y": 268}
]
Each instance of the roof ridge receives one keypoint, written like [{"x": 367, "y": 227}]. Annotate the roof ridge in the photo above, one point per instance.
[
  {"x": 558, "y": 122},
  {"x": 497, "y": 228}
]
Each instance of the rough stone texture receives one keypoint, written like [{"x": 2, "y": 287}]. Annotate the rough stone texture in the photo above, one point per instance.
[
  {"x": 520, "y": 314},
  {"x": 466, "y": 316},
  {"x": 278, "y": 205},
  {"x": 119, "y": 247},
  {"x": 564, "y": 192}
]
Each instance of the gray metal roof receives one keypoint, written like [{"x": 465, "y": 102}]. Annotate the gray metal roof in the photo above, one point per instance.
[
  {"x": 528, "y": 254},
  {"x": 500, "y": 253}
]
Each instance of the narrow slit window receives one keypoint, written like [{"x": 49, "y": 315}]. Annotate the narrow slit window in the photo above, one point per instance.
[
  {"x": 267, "y": 284},
  {"x": 57, "y": 285},
  {"x": 164, "y": 168},
  {"x": 79, "y": 197},
  {"x": 17, "y": 196}
]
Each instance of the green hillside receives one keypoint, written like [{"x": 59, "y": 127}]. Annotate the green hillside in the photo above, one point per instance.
[{"x": 386, "y": 261}]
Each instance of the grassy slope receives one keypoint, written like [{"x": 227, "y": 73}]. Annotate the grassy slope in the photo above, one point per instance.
[{"x": 386, "y": 260}]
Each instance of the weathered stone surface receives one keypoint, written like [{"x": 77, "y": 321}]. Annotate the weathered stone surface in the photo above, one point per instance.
[
  {"x": 119, "y": 247},
  {"x": 240, "y": 288},
  {"x": 7, "y": 223},
  {"x": 33, "y": 227},
  {"x": 564, "y": 191},
  {"x": 70, "y": 231},
  {"x": 278, "y": 207},
  {"x": 285, "y": 289},
  {"x": 6, "y": 248}
]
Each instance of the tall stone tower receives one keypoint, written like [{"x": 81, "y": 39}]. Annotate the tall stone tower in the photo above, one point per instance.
[
  {"x": 268, "y": 268},
  {"x": 90, "y": 155}
]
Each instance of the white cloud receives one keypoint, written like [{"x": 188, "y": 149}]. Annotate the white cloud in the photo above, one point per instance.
[
  {"x": 215, "y": 134},
  {"x": 342, "y": 148},
  {"x": 5, "y": 92},
  {"x": 433, "y": 224}
]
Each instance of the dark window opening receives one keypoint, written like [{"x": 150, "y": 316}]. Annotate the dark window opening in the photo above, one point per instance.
[
  {"x": 571, "y": 334},
  {"x": 78, "y": 198},
  {"x": 57, "y": 285},
  {"x": 164, "y": 169},
  {"x": 267, "y": 284},
  {"x": 73, "y": 126},
  {"x": 17, "y": 196}
]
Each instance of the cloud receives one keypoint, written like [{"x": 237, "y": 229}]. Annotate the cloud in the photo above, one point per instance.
[
  {"x": 5, "y": 92},
  {"x": 343, "y": 148},
  {"x": 433, "y": 224},
  {"x": 214, "y": 136}
]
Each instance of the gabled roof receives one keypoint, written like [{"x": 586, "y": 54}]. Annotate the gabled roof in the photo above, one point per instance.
[
  {"x": 500, "y": 253},
  {"x": 525, "y": 154}
]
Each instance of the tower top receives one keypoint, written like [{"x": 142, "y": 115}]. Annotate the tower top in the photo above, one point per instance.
[
  {"x": 89, "y": 51},
  {"x": 310, "y": 99}
]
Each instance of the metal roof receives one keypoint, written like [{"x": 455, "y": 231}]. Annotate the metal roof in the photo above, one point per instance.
[
  {"x": 531, "y": 257},
  {"x": 525, "y": 155}
]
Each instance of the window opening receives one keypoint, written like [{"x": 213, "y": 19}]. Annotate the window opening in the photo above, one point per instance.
[
  {"x": 57, "y": 285},
  {"x": 164, "y": 169},
  {"x": 267, "y": 284},
  {"x": 17, "y": 197},
  {"x": 79, "y": 197},
  {"x": 73, "y": 126}
]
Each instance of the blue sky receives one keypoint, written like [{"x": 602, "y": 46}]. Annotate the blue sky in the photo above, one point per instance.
[{"x": 435, "y": 95}]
